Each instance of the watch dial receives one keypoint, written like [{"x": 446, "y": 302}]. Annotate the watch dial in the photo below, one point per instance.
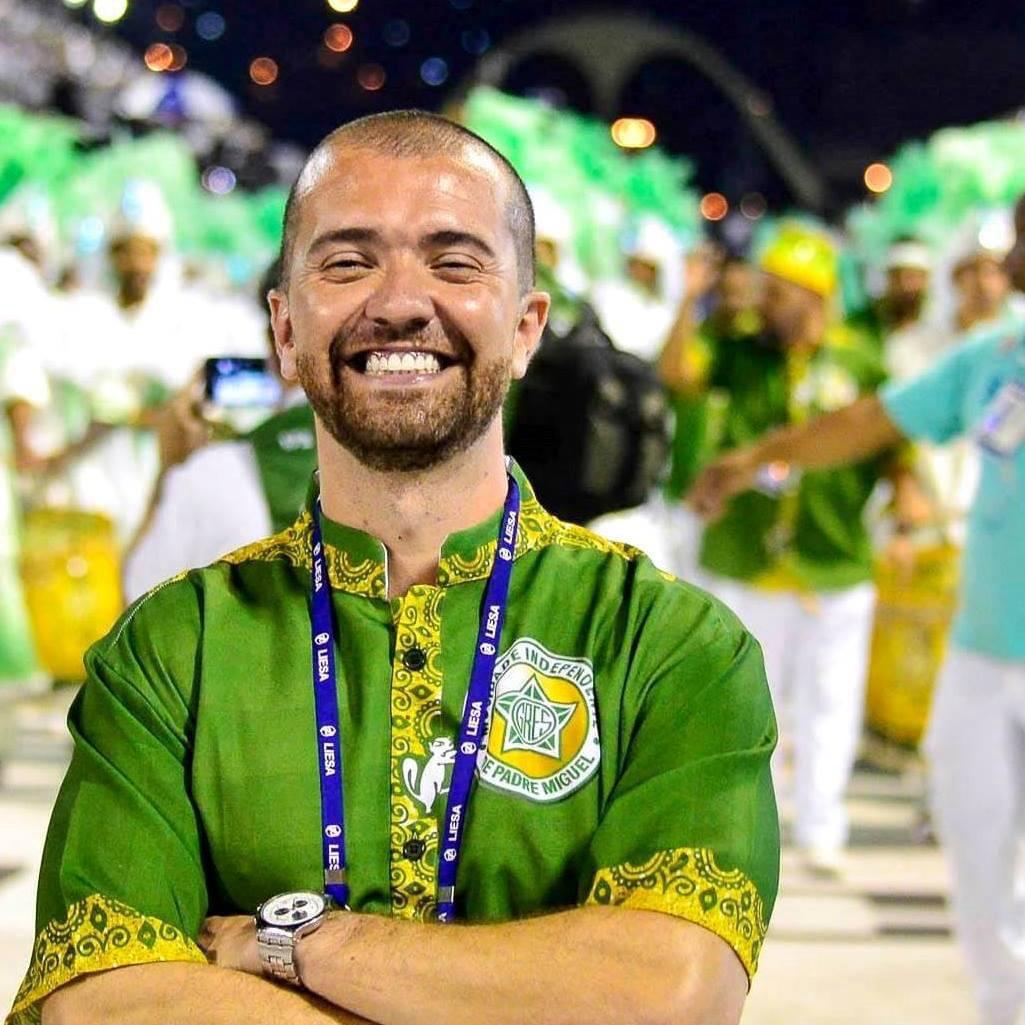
[{"x": 292, "y": 909}]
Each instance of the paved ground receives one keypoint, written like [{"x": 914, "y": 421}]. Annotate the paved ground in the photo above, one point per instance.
[{"x": 872, "y": 947}]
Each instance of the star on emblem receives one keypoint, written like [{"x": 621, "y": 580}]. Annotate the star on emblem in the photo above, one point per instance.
[{"x": 533, "y": 722}]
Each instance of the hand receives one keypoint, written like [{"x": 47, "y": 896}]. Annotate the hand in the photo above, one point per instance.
[
  {"x": 231, "y": 943},
  {"x": 701, "y": 269},
  {"x": 716, "y": 484},
  {"x": 180, "y": 426}
]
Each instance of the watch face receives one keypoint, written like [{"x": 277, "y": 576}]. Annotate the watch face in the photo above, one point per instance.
[{"x": 290, "y": 910}]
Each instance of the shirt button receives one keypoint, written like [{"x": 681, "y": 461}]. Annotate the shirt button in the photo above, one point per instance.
[
  {"x": 415, "y": 659},
  {"x": 413, "y": 850}
]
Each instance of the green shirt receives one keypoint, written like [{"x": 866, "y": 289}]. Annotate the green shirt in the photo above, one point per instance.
[
  {"x": 285, "y": 449},
  {"x": 815, "y": 537},
  {"x": 194, "y": 785}
]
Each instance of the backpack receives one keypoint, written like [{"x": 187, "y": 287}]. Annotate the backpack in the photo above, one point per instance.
[{"x": 591, "y": 424}]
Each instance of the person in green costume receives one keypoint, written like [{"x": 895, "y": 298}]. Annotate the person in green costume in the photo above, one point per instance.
[
  {"x": 793, "y": 556},
  {"x": 621, "y": 848},
  {"x": 734, "y": 317}
]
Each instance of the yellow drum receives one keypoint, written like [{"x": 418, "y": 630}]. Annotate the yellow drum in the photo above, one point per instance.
[
  {"x": 908, "y": 642},
  {"x": 70, "y": 567}
]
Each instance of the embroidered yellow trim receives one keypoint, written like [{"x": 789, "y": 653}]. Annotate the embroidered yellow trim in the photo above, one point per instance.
[
  {"x": 98, "y": 933},
  {"x": 421, "y": 755},
  {"x": 686, "y": 882},
  {"x": 365, "y": 578},
  {"x": 538, "y": 529}
]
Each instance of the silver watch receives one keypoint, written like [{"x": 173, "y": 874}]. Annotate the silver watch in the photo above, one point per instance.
[{"x": 281, "y": 921}]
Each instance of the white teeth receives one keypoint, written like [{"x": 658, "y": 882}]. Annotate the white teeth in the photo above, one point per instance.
[{"x": 402, "y": 363}]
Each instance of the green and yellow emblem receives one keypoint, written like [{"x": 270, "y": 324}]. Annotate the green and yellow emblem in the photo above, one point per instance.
[{"x": 543, "y": 737}]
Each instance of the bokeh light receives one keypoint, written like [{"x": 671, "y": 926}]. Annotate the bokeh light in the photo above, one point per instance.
[
  {"x": 158, "y": 57},
  {"x": 753, "y": 206},
  {"x": 170, "y": 17},
  {"x": 210, "y": 26},
  {"x": 179, "y": 57},
  {"x": 75, "y": 3},
  {"x": 109, "y": 11},
  {"x": 878, "y": 178},
  {"x": 264, "y": 71},
  {"x": 633, "y": 132},
  {"x": 476, "y": 40},
  {"x": 343, "y": 6},
  {"x": 434, "y": 71},
  {"x": 338, "y": 38},
  {"x": 396, "y": 32},
  {"x": 714, "y": 206},
  {"x": 372, "y": 77},
  {"x": 219, "y": 180}
]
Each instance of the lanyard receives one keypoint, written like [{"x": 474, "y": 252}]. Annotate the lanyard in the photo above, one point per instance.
[{"x": 471, "y": 732}]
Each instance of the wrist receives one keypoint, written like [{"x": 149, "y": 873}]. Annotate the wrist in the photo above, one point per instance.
[{"x": 317, "y": 954}]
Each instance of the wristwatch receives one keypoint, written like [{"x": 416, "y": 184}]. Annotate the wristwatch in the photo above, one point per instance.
[{"x": 281, "y": 921}]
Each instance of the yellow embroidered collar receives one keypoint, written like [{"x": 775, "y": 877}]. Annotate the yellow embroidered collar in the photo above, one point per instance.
[{"x": 357, "y": 561}]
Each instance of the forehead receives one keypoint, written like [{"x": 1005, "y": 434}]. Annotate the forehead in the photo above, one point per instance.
[{"x": 342, "y": 187}]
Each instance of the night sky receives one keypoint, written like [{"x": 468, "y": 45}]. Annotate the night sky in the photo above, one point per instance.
[{"x": 849, "y": 81}]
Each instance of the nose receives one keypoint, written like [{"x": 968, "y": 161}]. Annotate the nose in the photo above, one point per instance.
[{"x": 401, "y": 303}]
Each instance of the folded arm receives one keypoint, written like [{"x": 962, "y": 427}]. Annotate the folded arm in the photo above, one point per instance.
[
  {"x": 155, "y": 994},
  {"x": 588, "y": 964}
]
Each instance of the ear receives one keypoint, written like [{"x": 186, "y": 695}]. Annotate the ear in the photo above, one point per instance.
[
  {"x": 533, "y": 317},
  {"x": 281, "y": 326}
]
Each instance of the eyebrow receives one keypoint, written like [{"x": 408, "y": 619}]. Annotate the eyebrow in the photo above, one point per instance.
[{"x": 370, "y": 235}]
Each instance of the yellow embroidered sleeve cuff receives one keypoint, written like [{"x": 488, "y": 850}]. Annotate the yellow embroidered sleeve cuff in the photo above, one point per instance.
[
  {"x": 98, "y": 933},
  {"x": 687, "y": 883}
]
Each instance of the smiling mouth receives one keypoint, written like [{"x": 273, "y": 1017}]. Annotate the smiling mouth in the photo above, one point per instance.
[{"x": 382, "y": 363}]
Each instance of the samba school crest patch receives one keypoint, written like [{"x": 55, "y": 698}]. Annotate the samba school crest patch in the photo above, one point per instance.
[{"x": 543, "y": 736}]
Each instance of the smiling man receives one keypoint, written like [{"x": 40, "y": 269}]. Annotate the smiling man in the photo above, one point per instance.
[{"x": 426, "y": 701}]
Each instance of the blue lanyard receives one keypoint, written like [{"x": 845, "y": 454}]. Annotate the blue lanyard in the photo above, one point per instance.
[{"x": 472, "y": 731}]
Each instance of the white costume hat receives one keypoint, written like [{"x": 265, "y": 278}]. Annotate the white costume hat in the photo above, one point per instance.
[
  {"x": 551, "y": 218},
  {"x": 142, "y": 211},
  {"x": 909, "y": 254},
  {"x": 988, "y": 234}
]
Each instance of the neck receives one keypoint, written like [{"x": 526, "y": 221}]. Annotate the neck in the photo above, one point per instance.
[{"x": 412, "y": 513}]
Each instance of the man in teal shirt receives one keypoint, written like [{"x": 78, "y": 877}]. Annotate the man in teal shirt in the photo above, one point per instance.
[{"x": 976, "y": 737}]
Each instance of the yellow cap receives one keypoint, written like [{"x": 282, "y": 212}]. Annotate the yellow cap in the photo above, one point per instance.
[{"x": 803, "y": 256}]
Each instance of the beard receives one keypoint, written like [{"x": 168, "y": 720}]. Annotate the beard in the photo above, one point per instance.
[
  {"x": 902, "y": 307},
  {"x": 406, "y": 430}
]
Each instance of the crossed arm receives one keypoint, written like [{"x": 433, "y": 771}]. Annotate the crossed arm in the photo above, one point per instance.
[{"x": 585, "y": 965}]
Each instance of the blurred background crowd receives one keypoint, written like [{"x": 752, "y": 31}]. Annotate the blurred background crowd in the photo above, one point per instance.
[{"x": 711, "y": 281}]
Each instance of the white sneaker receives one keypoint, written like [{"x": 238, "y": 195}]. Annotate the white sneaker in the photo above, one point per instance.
[{"x": 823, "y": 860}]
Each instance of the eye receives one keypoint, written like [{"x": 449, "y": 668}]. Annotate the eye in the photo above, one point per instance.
[
  {"x": 348, "y": 263},
  {"x": 454, "y": 265}
]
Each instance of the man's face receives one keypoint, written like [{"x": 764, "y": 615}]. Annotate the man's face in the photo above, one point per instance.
[
  {"x": 403, "y": 319},
  {"x": 644, "y": 272},
  {"x": 906, "y": 290},
  {"x": 785, "y": 307},
  {"x": 982, "y": 284},
  {"x": 134, "y": 259}
]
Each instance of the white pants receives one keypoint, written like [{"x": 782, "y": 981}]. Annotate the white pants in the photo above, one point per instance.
[
  {"x": 976, "y": 749},
  {"x": 816, "y": 658}
]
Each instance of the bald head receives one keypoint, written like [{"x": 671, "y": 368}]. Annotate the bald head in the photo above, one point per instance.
[{"x": 415, "y": 134}]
